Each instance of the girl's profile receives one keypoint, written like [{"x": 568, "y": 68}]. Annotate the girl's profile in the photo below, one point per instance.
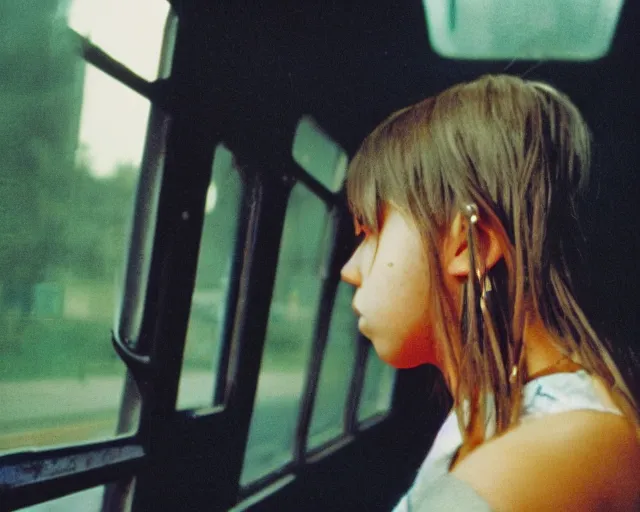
[{"x": 466, "y": 208}]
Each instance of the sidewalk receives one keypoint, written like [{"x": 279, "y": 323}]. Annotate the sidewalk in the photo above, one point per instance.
[{"x": 33, "y": 400}]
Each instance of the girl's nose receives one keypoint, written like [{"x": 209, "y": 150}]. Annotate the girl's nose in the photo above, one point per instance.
[{"x": 350, "y": 273}]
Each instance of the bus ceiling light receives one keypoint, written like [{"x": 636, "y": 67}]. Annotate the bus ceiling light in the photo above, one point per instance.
[{"x": 575, "y": 30}]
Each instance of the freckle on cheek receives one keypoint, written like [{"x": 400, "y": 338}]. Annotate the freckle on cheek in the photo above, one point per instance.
[{"x": 390, "y": 264}]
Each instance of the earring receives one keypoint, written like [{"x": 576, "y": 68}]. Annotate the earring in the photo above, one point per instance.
[
  {"x": 514, "y": 374},
  {"x": 470, "y": 210},
  {"x": 486, "y": 286}
]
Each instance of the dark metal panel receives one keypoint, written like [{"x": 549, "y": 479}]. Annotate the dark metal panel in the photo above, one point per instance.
[
  {"x": 364, "y": 473},
  {"x": 174, "y": 262}
]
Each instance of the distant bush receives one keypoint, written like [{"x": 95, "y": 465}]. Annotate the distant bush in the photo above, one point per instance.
[{"x": 51, "y": 348}]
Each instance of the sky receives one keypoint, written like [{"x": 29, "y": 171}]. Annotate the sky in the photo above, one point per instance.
[{"x": 114, "y": 118}]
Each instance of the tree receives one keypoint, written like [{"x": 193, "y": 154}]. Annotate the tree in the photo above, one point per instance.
[{"x": 40, "y": 97}]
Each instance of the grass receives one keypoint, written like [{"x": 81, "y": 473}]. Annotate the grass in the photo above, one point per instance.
[{"x": 56, "y": 348}]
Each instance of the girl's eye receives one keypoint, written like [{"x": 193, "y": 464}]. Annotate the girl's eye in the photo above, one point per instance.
[{"x": 362, "y": 231}]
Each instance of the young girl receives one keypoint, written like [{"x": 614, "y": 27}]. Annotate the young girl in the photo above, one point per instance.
[{"x": 467, "y": 206}]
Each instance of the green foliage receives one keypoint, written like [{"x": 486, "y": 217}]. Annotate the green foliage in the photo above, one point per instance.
[
  {"x": 58, "y": 221},
  {"x": 61, "y": 348},
  {"x": 38, "y": 71}
]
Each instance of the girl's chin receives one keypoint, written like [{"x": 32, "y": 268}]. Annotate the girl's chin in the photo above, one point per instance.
[{"x": 364, "y": 327}]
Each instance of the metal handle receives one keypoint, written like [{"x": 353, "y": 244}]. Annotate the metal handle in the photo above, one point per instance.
[{"x": 138, "y": 364}]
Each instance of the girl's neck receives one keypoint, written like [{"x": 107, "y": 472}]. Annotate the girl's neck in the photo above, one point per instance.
[{"x": 541, "y": 352}]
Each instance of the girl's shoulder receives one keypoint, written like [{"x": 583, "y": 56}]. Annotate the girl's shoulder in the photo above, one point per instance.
[{"x": 575, "y": 460}]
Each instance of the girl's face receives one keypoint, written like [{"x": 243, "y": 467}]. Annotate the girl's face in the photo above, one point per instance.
[{"x": 389, "y": 270}]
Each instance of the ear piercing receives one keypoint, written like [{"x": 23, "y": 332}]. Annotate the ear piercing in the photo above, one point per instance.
[{"x": 470, "y": 210}]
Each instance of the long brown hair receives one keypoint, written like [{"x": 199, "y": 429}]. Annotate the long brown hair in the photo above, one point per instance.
[{"x": 520, "y": 151}]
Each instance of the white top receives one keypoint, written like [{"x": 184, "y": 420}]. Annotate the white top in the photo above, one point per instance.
[{"x": 549, "y": 394}]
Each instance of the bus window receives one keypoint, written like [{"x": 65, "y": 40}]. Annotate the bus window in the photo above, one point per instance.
[
  {"x": 336, "y": 373},
  {"x": 378, "y": 387},
  {"x": 288, "y": 340},
  {"x": 318, "y": 154},
  {"x": 541, "y": 30},
  {"x": 86, "y": 500},
  {"x": 70, "y": 153},
  {"x": 130, "y": 32},
  {"x": 208, "y": 304}
]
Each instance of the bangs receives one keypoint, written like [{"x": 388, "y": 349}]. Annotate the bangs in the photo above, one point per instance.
[
  {"x": 363, "y": 191},
  {"x": 381, "y": 171}
]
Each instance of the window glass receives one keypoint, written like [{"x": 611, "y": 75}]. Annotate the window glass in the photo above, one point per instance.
[
  {"x": 378, "y": 387},
  {"x": 318, "y": 154},
  {"x": 289, "y": 334},
  {"x": 202, "y": 349},
  {"x": 71, "y": 142},
  {"x": 535, "y": 30},
  {"x": 89, "y": 500},
  {"x": 130, "y": 32},
  {"x": 337, "y": 369}
]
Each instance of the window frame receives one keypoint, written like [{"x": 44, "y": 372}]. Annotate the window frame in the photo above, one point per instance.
[{"x": 341, "y": 245}]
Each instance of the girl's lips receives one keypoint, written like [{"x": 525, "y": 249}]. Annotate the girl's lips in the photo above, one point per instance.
[{"x": 362, "y": 324}]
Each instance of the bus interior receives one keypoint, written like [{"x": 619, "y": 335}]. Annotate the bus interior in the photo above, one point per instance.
[{"x": 174, "y": 334}]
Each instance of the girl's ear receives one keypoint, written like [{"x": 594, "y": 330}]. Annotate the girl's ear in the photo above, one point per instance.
[{"x": 457, "y": 260}]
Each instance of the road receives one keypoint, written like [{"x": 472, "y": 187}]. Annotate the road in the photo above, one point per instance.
[
  {"x": 61, "y": 411},
  {"x": 30, "y": 400}
]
